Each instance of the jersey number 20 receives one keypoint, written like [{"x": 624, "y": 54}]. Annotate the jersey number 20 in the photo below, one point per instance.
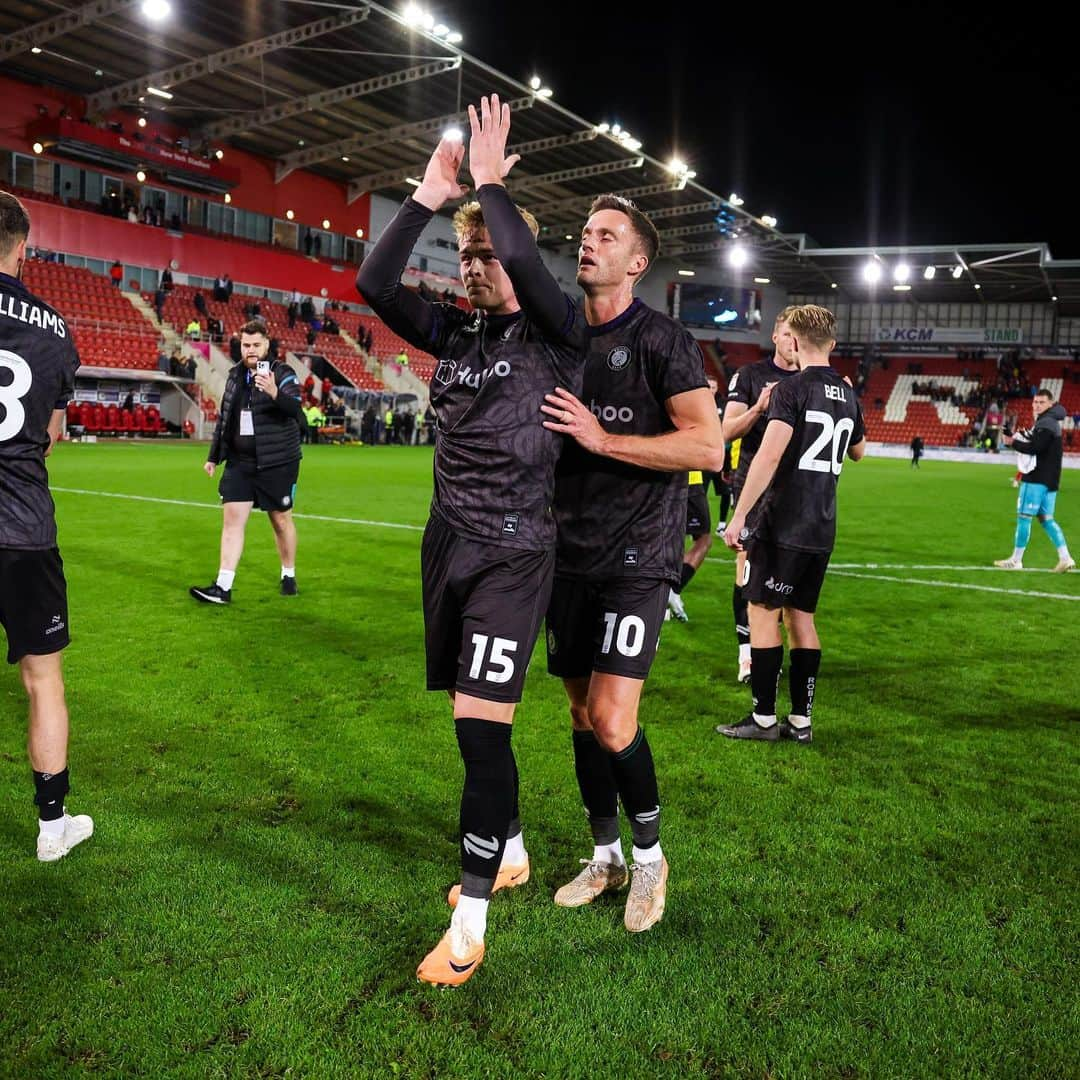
[
  {"x": 11, "y": 395},
  {"x": 835, "y": 437}
]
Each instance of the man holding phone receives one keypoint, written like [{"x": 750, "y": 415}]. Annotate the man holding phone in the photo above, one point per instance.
[{"x": 258, "y": 437}]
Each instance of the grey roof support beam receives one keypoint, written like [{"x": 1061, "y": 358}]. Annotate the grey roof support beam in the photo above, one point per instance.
[
  {"x": 41, "y": 33},
  {"x": 273, "y": 114},
  {"x": 357, "y": 144},
  {"x": 585, "y": 201},
  {"x": 393, "y": 177},
  {"x": 123, "y": 93},
  {"x": 582, "y": 172}
]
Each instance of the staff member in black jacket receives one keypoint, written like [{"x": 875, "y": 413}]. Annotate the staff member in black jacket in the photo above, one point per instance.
[{"x": 258, "y": 436}]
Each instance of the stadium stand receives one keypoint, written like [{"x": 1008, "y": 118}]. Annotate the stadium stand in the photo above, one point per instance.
[{"x": 108, "y": 330}]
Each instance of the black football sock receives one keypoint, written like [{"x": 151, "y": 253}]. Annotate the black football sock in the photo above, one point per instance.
[
  {"x": 596, "y": 782},
  {"x": 742, "y": 616},
  {"x": 635, "y": 776},
  {"x": 802, "y": 678},
  {"x": 514, "y": 828},
  {"x": 764, "y": 675},
  {"x": 685, "y": 576},
  {"x": 487, "y": 801},
  {"x": 49, "y": 792}
]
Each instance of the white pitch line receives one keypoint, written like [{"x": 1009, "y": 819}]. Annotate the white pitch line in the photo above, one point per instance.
[
  {"x": 954, "y": 585},
  {"x": 935, "y": 566},
  {"x": 217, "y": 506}
]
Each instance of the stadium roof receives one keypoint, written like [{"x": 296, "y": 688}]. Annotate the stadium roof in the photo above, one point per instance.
[{"x": 356, "y": 93}]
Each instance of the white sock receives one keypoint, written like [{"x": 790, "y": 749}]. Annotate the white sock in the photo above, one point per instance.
[
  {"x": 470, "y": 915},
  {"x": 225, "y": 579},
  {"x": 653, "y": 854},
  {"x": 1018, "y": 554},
  {"x": 609, "y": 853},
  {"x": 288, "y": 571},
  {"x": 744, "y": 653},
  {"x": 765, "y": 721},
  {"x": 1063, "y": 552},
  {"x": 514, "y": 854},
  {"x": 799, "y": 722},
  {"x": 52, "y": 828}
]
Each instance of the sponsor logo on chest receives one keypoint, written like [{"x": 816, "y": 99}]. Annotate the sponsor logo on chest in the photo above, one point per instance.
[{"x": 448, "y": 373}]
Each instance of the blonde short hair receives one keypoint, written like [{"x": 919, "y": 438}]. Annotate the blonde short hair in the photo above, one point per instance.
[
  {"x": 816, "y": 324},
  {"x": 470, "y": 219},
  {"x": 785, "y": 315}
]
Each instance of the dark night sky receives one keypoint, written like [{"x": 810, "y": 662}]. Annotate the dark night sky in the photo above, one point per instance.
[{"x": 934, "y": 127}]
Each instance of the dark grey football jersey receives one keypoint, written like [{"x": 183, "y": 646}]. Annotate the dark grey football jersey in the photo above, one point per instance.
[
  {"x": 745, "y": 387},
  {"x": 799, "y": 508},
  {"x": 494, "y": 459},
  {"x": 614, "y": 519},
  {"x": 37, "y": 375}
]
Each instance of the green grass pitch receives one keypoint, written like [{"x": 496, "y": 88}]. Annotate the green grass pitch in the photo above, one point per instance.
[{"x": 276, "y": 802}]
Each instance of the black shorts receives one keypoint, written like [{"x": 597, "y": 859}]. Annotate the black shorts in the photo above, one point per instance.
[
  {"x": 783, "y": 577},
  {"x": 268, "y": 489},
  {"x": 608, "y": 626},
  {"x": 698, "y": 521},
  {"x": 483, "y": 605},
  {"x": 33, "y": 603}
]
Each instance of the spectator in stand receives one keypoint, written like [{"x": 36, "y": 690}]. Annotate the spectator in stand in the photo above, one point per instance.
[
  {"x": 327, "y": 386},
  {"x": 189, "y": 371},
  {"x": 159, "y": 303},
  {"x": 132, "y": 215},
  {"x": 293, "y": 312},
  {"x": 228, "y": 289},
  {"x": 220, "y": 291},
  {"x": 316, "y": 245},
  {"x": 311, "y": 336},
  {"x": 215, "y": 328},
  {"x": 402, "y": 358},
  {"x": 116, "y": 274},
  {"x": 129, "y": 402},
  {"x": 307, "y": 309},
  {"x": 193, "y": 330},
  {"x": 330, "y": 326},
  {"x": 166, "y": 281},
  {"x": 67, "y": 195},
  {"x": 309, "y": 388},
  {"x": 307, "y": 242},
  {"x": 200, "y": 304},
  {"x": 162, "y": 361}
]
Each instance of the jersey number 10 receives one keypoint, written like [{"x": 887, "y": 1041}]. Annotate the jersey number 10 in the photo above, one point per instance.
[
  {"x": 834, "y": 437},
  {"x": 11, "y": 395}
]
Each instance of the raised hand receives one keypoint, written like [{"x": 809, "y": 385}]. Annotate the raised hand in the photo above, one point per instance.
[
  {"x": 488, "y": 162},
  {"x": 440, "y": 183}
]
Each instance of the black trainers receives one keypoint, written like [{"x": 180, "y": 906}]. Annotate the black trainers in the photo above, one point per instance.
[
  {"x": 749, "y": 728},
  {"x": 288, "y": 586},
  {"x": 796, "y": 734},
  {"x": 212, "y": 594}
]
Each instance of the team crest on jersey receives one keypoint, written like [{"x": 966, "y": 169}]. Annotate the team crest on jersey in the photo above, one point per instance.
[
  {"x": 551, "y": 643},
  {"x": 618, "y": 358},
  {"x": 444, "y": 373}
]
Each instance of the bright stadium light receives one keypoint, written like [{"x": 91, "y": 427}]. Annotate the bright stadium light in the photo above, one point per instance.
[
  {"x": 901, "y": 272},
  {"x": 677, "y": 166},
  {"x": 834, "y": 286},
  {"x": 38, "y": 148},
  {"x": 156, "y": 10},
  {"x": 603, "y": 128},
  {"x": 454, "y": 38},
  {"x": 738, "y": 256},
  {"x": 769, "y": 221},
  {"x": 36, "y": 50},
  {"x": 141, "y": 121},
  {"x": 289, "y": 214},
  {"x": 569, "y": 236},
  {"x": 326, "y": 223},
  {"x": 977, "y": 285},
  {"x": 413, "y": 14},
  {"x": 735, "y": 200},
  {"x": 871, "y": 272},
  {"x": 228, "y": 198},
  {"x": 159, "y": 93},
  {"x": 219, "y": 154},
  {"x": 544, "y": 92},
  {"x": 686, "y": 273},
  {"x": 929, "y": 273},
  {"x": 616, "y": 130},
  {"x": 957, "y": 271},
  {"x": 536, "y": 82},
  {"x": 441, "y": 30},
  {"x": 901, "y": 288},
  {"x": 359, "y": 234},
  {"x": 453, "y": 134},
  {"x": 140, "y": 176},
  {"x": 761, "y": 281}
]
